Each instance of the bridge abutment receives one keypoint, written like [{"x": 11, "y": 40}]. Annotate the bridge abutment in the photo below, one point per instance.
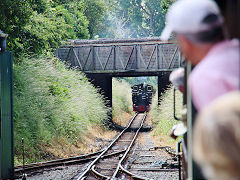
[
  {"x": 104, "y": 83},
  {"x": 163, "y": 82}
]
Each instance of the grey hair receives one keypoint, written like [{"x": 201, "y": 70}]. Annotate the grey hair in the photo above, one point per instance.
[{"x": 215, "y": 33}]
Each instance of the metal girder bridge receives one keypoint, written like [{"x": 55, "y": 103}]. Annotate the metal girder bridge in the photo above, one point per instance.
[
  {"x": 122, "y": 56},
  {"x": 101, "y": 60}
]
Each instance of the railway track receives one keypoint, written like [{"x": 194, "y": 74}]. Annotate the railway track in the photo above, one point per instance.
[
  {"x": 110, "y": 168},
  {"x": 109, "y": 163},
  {"x": 29, "y": 168}
]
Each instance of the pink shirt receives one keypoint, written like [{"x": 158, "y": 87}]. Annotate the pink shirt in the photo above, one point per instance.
[{"x": 216, "y": 74}]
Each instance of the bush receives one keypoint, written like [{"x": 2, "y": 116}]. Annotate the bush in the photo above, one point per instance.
[{"x": 51, "y": 101}]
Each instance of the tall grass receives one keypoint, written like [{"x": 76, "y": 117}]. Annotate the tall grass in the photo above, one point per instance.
[
  {"x": 121, "y": 100},
  {"x": 52, "y": 101},
  {"x": 162, "y": 116}
]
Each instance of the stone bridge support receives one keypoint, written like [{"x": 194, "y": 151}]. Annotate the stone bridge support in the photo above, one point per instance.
[
  {"x": 104, "y": 83},
  {"x": 163, "y": 82}
]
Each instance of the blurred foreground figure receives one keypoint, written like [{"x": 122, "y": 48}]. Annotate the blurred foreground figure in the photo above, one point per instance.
[
  {"x": 217, "y": 138},
  {"x": 203, "y": 40},
  {"x": 177, "y": 79}
]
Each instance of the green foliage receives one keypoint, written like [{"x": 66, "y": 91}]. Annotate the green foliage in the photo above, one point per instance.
[
  {"x": 122, "y": 99},
  {"x": 163, "y": 115},
  {"x": 39, "y": 5},
  {"x": 13, "y": 16},
  {"x": 94, "y": 11},
  {"x": 134, "y": 18},
  {"x": 165, "y": 5},
  {"x": 45, "y": 31},
  {"x": 151, "y": 80},
  {"x": 37, "y": 26},
  {"x": 80, "y": 23},
  {"x": 51, "y": 101}
]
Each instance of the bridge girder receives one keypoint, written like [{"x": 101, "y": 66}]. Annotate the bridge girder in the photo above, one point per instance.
[{"x": 140, "y": 57}]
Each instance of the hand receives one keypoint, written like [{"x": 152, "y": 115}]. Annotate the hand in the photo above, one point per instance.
[{"x": 177, "y": 79}]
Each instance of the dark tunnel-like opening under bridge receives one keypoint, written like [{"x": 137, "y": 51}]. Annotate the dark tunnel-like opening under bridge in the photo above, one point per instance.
[{"x": 103, "y": 59}]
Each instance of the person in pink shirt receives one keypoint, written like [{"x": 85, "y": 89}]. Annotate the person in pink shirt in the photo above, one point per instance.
[{"x": 202, "y": 38}]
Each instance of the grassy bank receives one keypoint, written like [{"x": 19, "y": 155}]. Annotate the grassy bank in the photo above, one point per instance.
[
  {"x": 162, "y": 116},
  {"x": 121, "y": 101},
  {"x": 52, "y": 103}
]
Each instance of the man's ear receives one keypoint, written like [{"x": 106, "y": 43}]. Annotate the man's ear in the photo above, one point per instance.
[
  {"x": 184, "y": 43},
  {"x": 186, "y": 47}
]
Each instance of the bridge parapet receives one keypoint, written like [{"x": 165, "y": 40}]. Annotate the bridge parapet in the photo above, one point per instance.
[{"x": 113, "y": 56}]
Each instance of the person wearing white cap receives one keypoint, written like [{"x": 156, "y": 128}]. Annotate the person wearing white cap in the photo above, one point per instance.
[{"x": 202, "y": 39}]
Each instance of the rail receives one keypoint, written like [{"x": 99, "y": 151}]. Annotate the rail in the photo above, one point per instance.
[
  {"x": 92, "y": 167},
  {"x": 126, "y": 153},
  {"x": 28, "y": 168}
]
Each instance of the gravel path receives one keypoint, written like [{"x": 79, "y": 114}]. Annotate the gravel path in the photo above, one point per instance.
[{"x": 142, "y": 158}]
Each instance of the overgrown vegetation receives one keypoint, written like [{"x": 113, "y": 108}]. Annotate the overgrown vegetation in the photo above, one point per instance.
[
  {"x": 162, "y": 115},
  {"x": 51, "y": 101},
  {"x": 122, "y": 100}
]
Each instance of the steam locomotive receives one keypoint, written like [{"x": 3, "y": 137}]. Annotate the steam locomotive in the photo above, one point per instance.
[{"x": 142, "y": 97}]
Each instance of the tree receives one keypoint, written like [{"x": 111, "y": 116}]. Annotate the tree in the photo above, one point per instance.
[
  {"x": 136, "y": 18},
  {"x": 35, "y": 26},
  {"x": 13, "y": 16},
  {"x": 94, "y": 11},
  {"x": 165, "y": 5}
]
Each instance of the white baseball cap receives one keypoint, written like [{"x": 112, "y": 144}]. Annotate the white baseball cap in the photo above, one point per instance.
[{"x": 186, "y": 16}]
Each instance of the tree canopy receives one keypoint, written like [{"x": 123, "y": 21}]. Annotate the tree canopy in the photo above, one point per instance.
[
  {"x": 37, "y": 26},
  {"x": 135, "y": 18}
]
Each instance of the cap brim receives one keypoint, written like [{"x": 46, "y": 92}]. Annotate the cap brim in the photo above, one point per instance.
[{"x": 165, "y": 35}]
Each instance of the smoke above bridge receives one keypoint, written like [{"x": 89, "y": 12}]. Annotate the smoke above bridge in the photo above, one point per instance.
[{"x": 133, "y": 19}]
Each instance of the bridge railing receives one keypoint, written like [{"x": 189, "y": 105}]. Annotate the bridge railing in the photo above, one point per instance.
[{"x": 120, "y": 57}]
